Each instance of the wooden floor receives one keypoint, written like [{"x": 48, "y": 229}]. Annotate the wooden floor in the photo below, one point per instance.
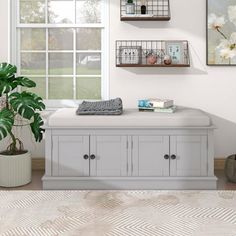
[{"x": 36, "y": 183}]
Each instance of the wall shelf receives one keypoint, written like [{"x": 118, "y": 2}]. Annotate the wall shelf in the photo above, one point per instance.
[
  {"x": 156, "y": 10},
  {"x": 152, "y": 53}
]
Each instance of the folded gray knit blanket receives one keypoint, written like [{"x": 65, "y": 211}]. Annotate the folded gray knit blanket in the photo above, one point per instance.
[{"x": 109, "y": 107}]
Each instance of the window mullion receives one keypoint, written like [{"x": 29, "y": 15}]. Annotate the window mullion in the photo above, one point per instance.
[
  {"x": 34, "y": 25},
  {"x": 47, "y": 56},
  {"x": 74, "y": 64}
]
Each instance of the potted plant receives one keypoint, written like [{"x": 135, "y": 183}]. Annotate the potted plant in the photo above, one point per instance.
[
  {"x": 19, "y": 109},
  {"x": 230, "y": 168}
]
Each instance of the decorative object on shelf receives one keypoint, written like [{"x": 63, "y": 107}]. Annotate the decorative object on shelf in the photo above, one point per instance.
[
  {"x": 175, "y": 51},
  {"x": 151, "y": 57},
  {"x": 19, "y": 109},
  {"x": 130, "y": 7},
  {"x": 230, "y": 168},
  {"x": 167, "y": 60},
  {"x": 221, "y": 32},
  {"x": 148, "y": 10},
  {"x": 151, "y": 53},
  {"x": 130, "y": 54},
  {"x": 143, "y": 7}
]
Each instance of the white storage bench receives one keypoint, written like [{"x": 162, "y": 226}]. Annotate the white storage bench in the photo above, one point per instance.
[{"x": 137, "y": 150}]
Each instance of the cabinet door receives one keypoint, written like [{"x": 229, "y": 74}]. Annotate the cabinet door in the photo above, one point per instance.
[
  {"x": 68, "y": 156},
  {"x": 148, "y": 156},
  {"x": 190, "y": 156},
  {"x": 110, "y": 156}
]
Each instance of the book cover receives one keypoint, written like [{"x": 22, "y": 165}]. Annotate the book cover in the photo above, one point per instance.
[
  {"x": 162, "y": 103},
  {"x": 160, "y": 110},
  {"x": 155, "y": 103}
]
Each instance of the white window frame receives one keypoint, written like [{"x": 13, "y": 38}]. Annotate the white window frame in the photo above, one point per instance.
[{"x": 104, "y": 26}]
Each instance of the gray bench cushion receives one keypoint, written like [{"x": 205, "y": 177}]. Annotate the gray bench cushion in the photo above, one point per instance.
[{"x": 183, "y": 117}]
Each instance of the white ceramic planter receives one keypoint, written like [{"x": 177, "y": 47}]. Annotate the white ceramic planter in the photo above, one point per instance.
[{"x": 15, "y": 170}]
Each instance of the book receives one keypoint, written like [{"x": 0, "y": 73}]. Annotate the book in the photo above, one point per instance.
[
  {"x": 160, "y": 110},
  {"x": 156, "y": 103}
]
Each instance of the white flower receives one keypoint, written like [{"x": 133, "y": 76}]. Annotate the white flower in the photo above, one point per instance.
[
  {"x": 232, "y": 14},
  {"x": 215, "y": 22},
  {"x": 227, "y": 53},
  {"x": 228, "y": 47}
]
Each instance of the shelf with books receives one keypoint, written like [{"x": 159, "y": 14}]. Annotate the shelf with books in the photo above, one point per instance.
[
  {"x": 152, "y": 53},
  {"x": 145, "y": 10}
]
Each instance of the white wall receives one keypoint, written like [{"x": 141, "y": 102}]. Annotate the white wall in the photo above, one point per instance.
[{"x": 209, "y": 88}]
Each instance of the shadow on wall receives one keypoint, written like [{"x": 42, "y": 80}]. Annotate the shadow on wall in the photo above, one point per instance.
[
  {"x": 165, "y": 71},
  {"x": 224, "y": 136}
]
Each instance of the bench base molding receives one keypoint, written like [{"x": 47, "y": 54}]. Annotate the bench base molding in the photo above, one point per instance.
[
  {"x": 126, "y": 183},
  {"x": 39, "y": 163}
]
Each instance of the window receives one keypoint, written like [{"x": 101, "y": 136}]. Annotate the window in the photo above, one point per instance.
[{"x": 61, "y": 45}]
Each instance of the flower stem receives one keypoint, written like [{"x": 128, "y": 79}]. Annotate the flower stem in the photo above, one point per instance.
[{"x": 221, "y": 33}]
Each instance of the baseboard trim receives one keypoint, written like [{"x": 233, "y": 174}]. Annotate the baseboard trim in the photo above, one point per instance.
[{"x": 39, "y": 164}]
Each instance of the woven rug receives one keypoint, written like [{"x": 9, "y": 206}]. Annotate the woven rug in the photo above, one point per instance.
[{"x": 111, "y": 213}]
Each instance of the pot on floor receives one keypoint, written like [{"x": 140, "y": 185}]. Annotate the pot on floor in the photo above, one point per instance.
[
  {"x": 230, "y": 168},
  {"x": 15, "y": 170}
]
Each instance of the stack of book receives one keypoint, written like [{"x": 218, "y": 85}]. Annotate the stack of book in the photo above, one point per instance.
[{"x": 157, "y": 105}]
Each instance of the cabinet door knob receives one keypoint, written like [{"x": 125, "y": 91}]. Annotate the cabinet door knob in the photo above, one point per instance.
[
  {"x": 173, "y": 157},
  {"x": 166, "y": 156},
  {"x": 92, "y": 157},
  {"x": 86, "y": 157}
]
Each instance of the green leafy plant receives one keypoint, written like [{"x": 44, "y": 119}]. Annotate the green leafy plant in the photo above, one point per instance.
[
  {"x": 129, "y": 1},
  {"x": 19, "y": 109}
]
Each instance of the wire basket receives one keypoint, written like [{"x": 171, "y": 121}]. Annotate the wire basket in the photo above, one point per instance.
[
  {"x": 152, "y": 53},
  {"x": 155, "y": 10}
]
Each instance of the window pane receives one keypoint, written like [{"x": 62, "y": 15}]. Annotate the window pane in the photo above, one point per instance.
[
  {"x": 61, "y": 63},
  {"x": 60, "y": 88},
  {"x": 60, "y": 39},
  {"x": 61, "y": 11},
  {"x": 33, "y": 39},
  {"x": 88, "y": 88},
  {"x": 88, "y": 39},
  {"x": 40, "y": 88},
  {"x": 88, "y": 63},
  {"x": 33, "y": 63},
  {"x": 88, "y": 11},
  {"x": 32, "y": 11}
]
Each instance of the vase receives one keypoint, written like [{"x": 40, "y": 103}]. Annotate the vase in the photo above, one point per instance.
[
  {"x": 143, "y": 9},
  {"x": 167, "y": 60},
  {"x": 130, "y": 8},
  {"x": 15, "y": 170},
  {"x": 230, "y": 168}
]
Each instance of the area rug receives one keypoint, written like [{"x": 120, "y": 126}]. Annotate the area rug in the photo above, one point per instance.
[{"x": 113, "y": 213}]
